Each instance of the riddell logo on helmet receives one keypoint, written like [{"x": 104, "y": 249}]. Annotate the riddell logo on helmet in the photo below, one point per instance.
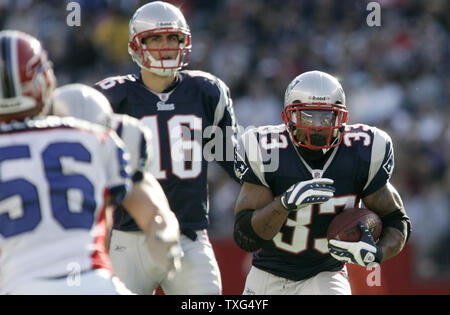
[
  {"x": 319, "y": 98},
  {"x": 162, "y": 24}
]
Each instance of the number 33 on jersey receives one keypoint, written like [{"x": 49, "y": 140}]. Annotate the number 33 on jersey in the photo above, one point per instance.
[{"x": 359, "y": 166}]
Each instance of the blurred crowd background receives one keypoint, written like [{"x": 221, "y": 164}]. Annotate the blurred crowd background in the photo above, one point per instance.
[{"x": 396, "y": 77}]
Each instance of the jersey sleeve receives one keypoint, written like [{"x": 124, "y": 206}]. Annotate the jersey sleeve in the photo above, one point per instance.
[
  {"x": 114, "y": 88},
  {"x": 116, "y": 163},
  {"x": 381, "y": 163},
  {"x": 138, "y": 139},
  {"x": 223, "y": 117},
  {"x": 248, "y": 160}
]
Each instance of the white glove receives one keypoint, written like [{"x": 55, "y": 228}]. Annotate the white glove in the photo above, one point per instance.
[
  {"x": 309, "y": 192},
  {"x": 363, "y": 253}
]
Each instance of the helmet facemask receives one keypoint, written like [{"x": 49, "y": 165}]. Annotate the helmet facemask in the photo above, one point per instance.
[
  {"x": 159, "y": 65},
  {"x": 315, "y": 125}
]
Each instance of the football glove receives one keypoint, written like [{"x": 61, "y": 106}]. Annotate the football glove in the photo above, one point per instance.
[
  {"x": 309, "y": 192},
  {"x": 363, "y": 253}
]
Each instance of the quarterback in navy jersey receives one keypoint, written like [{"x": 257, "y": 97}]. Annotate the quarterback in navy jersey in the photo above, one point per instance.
[
  {"x": 297, "y": 177},
  {"x": 191, "y": 117},
  {"x": 196, "y": 101}
]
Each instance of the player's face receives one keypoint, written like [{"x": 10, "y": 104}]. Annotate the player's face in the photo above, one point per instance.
[
  {"x": 165, "y": 45},
  {"x": 319, "y": 121}
]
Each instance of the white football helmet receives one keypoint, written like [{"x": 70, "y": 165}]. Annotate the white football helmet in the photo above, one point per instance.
[
  {"x": 314, "y": 110},
  {"x": 82, "y": 102},
  {"x": 159, "y": 18},
  {"x": 26, "y": 76}
]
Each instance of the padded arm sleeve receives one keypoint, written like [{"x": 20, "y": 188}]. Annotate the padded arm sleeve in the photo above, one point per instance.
[
  {"x": 398, "y": 220},
  {"x": 244, "y": 235}
]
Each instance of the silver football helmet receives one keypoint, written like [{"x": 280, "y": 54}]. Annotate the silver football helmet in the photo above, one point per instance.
[
  {"x": 314, "y": 110},
  {"x": 81, "y": 101},
  {"x": 159, "y": 18}
]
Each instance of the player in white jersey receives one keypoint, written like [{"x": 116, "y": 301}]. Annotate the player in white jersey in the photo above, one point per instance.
[
  {"x": 84, "y": 102},
  {"x": 55, "y": 175},
  {"x": 57, "y": 178}
]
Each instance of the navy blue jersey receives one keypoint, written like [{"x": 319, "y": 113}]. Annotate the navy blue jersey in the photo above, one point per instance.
[
  {"x": 195, "y": 110},
  {"x": 359, "y": 166}
]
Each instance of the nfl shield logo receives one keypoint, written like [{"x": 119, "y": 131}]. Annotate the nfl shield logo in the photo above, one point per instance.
[{"x": 316, "y": 173}]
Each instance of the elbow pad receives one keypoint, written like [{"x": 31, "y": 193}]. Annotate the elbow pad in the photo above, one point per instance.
[
  {"x": 244, "y": 235},
  {"x": 398, "y": 220}
]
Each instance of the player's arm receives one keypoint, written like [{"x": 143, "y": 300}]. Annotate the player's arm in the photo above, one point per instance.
[
  {"x": 382, "y": 198},
  {"x": 224, "y": 120},
  {"x": 387, "y": 203},
  {"x": 258, "y": 216},
  {"x": 148, "y": 206},
  {"x": 147, "y": 203}
]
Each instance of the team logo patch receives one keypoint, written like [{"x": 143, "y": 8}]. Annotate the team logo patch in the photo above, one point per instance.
[
  {"x": 162, "y": 106},
  {"x": 240, "y": 167},
  {"x": 389, "y": 165}
]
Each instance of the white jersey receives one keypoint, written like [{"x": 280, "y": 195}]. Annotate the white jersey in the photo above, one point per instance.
[
  {"x": 138, "y": 138},
  {"x": 54, "y": 176}
]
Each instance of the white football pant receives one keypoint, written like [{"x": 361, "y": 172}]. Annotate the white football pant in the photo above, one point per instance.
[
  {"x": 260, "y": 282},
  {"x": 199, "y": 273},
  {"x": 94, "y": 282}
]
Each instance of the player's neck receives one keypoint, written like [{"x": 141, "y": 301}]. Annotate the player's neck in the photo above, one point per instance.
[
  {"x": 155, "y": 82},
  {"x": 315, "y": 158}
]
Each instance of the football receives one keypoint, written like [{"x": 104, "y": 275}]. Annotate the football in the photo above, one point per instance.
[{"x": 344, "y": 226}]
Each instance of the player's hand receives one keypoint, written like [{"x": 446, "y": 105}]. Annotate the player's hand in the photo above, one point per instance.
[
  {"x": 163, "y": 245},
  {"x": 363, "y": 253},
  {"x": 309, "y": 192}
]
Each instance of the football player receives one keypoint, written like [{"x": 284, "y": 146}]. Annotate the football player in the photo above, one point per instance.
[
  {"x": 297, "y": 177},
  {"x": 180, "y": 107},
  {"x": 84, "y": 102},
  {"x": 57, "y": 177}
]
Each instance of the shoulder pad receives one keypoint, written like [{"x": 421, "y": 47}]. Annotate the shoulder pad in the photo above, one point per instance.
[
  {"x": 115, "y": 88},
  {"x": 258, "y": 147},
  {"x": 113, "y": 81},
  {"x": 382, "y": 157},
  {"x": 199, "y": 73},
  {"x": 208, "y": 83},
  {"x": 375, "y": 149},
  {"x": 216, "y": 90}
]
